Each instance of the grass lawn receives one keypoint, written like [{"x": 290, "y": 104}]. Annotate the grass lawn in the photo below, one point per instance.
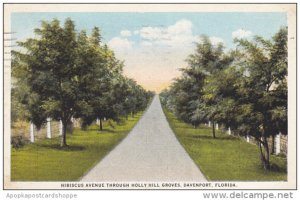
[
  {"x": 226, "y": 157},
  {"x": 46, "y": 161}
]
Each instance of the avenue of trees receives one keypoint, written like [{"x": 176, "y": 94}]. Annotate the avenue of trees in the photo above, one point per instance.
[
  {"x": 244, "y": 89},
  {"x": 62, "y": 73}
]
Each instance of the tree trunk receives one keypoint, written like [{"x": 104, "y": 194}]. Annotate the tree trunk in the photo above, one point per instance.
[
  {"x": 264, "y": 153},
  {"x": 213, "y": 129},
  {"x": 101, "y": 127},
  {"x": 273, "y": 145},
  {"x": 64, "y": 134},
  {"x": 262, "y": 158},
  {"x": 267, "y": 154}
]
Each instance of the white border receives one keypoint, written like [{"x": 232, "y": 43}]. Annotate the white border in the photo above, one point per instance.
[{"x": 289, "y": 8}]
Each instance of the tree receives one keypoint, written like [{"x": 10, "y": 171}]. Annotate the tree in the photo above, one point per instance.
[
  {"x": 109, "y": 94},
  {"x": 222, "y": 89},
  {"x": 208, "y": 61},
  {"x": 63, "y": 74},
  {"x": 245, "y": 89},
  {"x": 192, "y": 98},
  {"x": 51, "y": 73},
  {"x": 19, "y": 91},
  {"x": 183, "y": 91},
  {"x": 94, "y": 81},
  {"x": 262, "y": 90}
]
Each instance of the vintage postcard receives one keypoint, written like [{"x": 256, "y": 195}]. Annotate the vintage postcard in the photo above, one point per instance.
[{"x": 149, "y": 96}]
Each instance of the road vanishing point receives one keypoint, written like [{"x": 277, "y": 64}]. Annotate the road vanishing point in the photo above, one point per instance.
[{"x": 150, "y": 152}]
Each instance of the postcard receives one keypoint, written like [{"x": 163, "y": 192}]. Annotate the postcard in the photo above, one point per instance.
[{"x": 149, "y": 96}]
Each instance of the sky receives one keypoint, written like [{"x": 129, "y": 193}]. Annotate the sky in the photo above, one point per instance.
[{"x": 154, "y": 46}]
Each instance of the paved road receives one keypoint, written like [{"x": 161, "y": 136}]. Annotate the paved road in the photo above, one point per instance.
[{"x": 150, "y": 152}]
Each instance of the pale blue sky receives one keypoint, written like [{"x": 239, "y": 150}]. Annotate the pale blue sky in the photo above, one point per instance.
[
  {"x": 147, "y": 35},
  {"x": 212, "y": 24}
]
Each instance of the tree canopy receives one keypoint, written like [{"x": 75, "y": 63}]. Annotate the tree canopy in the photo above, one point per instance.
[
  {"x": 244, "y": 89},
  {"x": 62, "y": 73}
]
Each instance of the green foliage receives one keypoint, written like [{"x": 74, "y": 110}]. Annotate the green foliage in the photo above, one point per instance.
[
  {"x": 65, "y": 74},
  {"x": 245, "y": 89},
  {"x": 50, "y": 72},
  {"x": 18, "y": 141},
  {"x": 195, "y": 95}
]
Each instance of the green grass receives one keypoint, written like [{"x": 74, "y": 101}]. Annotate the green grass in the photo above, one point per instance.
[
  {"x": 226, "y": 157},
  {"x": 46, "y": 161}
]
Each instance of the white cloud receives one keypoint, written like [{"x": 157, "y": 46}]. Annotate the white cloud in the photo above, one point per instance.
[
  {"x": 119, "y": 44},
  {"x": 125, "y": 33},
  {"x": 241, "y": 33},
  {"x": 175, "y": 35},
  {"x": 146, "y": 43},
  {"x": 181, "y": 27},
  {"x": 216, "y": 40},
  {"x": 157, "y": 53},
  {"x": 151, "y": 33}
]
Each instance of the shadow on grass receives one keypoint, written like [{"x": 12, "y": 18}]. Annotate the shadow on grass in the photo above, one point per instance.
[
  {"x": 210, "y": 137},
  {"x": 106, "y": 130},
  {"x": 103, "y": 131},
  {"x": 276, "y": 168},
  {"x": 65, "y": 148},
  {"x": 181, "y": 125}
]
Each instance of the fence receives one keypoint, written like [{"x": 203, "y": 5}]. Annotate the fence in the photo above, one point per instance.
[
  {"x": 280, "y": 141},
  {"x": 51, "y": 129},
  {"x": 29, "y": 131},
  {"x": 54, "y": 129}
]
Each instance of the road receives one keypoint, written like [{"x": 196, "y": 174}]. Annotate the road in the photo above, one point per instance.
[{"x": 150, "y": 152}]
